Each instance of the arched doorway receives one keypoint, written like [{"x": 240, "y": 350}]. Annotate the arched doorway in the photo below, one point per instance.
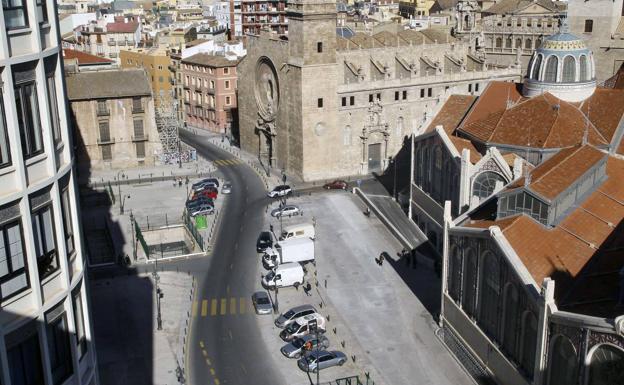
[{"x": 606, "y": 365}]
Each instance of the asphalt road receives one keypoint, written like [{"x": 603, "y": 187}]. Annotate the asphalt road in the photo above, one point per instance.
[{"x": 228, "y": 349}]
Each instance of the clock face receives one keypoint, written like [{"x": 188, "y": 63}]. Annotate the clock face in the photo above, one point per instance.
[{"x": 266, "y": 89}]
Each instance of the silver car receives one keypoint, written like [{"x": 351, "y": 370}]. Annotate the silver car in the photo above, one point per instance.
[
  {"x": 303, "y": 345},
  {"x": 288, "y": 210},
  {"x": 291, "y": 315},
  {"x": 227, "y": 188},
  {"x": 321, "y": 360},
  {"x": 262, "y": 302}
]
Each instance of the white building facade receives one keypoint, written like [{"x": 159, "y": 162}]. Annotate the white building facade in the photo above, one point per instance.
[{"x": 45, "y": 332}]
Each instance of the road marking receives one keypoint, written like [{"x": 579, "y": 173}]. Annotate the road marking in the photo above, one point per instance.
[
  {"x": 213, "y": 307},
  {"x": 204, "y": 310},
  {"x": 236, "y": 246},
  {"x": 241, "y": 305},
  {"x": 231, "y": 266},
  {"x": 208, "y": 362},
  {"x": 232, "y": 305},
  {"x": 194, "y": 311},
  {"x": 212, "y": 371},
  {"x": 230, "y": 332},
  {"x": 205, "y": 353},
  {"x": 243, "y": 367},
  {"x": 216, "y": 380},
  {"x": 223, "y": 306},
  {"x": 227, "y": 289},
  {"x": 201, "y": 344}
]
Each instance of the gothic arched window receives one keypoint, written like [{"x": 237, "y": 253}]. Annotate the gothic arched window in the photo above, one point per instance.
[
  {"x": 563, "y": 362},
  {"x": 454, "y": 277},
  {"x": 485, "y": 183},
  {"x": 583, "y": 68},
  {"x": 528, "y": 44},
  {"x": 346, "y": 136},
  {"x": 437, "y": 172},
  {"x": 606, "y": 366},
  {"x": 499, "y": 42},
  {"x": 490, "y": 290},
  {"x": 551, "y": 69},
  {"x": 538, "y": 42},
  {"x": 569, "y": 69},
  {"x": 469, "y": 292},
  {"x": 536, "y": 67},
  {"x": 519, "y": 43},
  {"x": 529, "y": 342},
  {"x": 508, "y": 43},
  {"x": 510, "y": 328}
]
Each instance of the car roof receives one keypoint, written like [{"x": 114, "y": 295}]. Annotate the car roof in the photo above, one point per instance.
[
  {"x": 261, "y": 294},
  {"x": 299, "y": 308}
]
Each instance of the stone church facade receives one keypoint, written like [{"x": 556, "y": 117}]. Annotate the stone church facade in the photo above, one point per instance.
[{"x": 321, "y": 106}]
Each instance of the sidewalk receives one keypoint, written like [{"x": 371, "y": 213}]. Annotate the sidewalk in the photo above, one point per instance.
[{"x": 130, "y": 349}]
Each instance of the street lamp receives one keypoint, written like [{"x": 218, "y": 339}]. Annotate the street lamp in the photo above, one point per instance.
[
  {"x": 122, "y": 202},
  {"x": 119, "y": 188},
  {"x": 394, "y": 166}
]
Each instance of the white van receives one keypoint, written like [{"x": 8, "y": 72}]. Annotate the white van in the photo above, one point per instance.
[
  {"x": 286, "y": 274},
  {"x": 298, "y": 231},
  {"x": 289, "y": 250}
]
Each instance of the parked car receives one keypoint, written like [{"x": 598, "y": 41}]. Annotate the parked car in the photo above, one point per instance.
[
  {"x": 303, "y": 345},
  {"x": 227, "y": 188},
  {"x": 287, "y": 211},
  {"x": 208, "y": 192},
  {"x": 280, "y": 191},
  {"x": 287, "y": 318},
  {"x": 198, "y": 201},
  {"x": 336, "y": 185},
  {"x": 299, "y": 328},
  {"x": 321, "y": 360},
  {"x": 265, "y": 241},
  {"x": 202, "y": 209},
  {"x": 204, "y": 184},
  {"x": 262, "y": 302}
]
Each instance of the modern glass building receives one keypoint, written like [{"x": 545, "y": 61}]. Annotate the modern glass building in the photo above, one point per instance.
[{"x": 45, "y": 332}]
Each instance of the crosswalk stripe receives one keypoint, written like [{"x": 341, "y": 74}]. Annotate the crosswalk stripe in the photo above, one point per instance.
[
  {"x": 232, "y": 305},
  {"x": 204, "y": 310},
  {"x": 213, "y": 307},
  {"x": 194, "y": 310},
  {"x": 223, "y": 306},
  {"x": 241, "y": 305}
]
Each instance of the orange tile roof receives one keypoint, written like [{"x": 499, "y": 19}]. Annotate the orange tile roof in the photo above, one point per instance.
[
  {"x": 588, "y": 243},
  {"x": 461, "y": 144},
  {"x": 552, "y": 177},
  {"x": 84, "y": 58},
  {"x": 494, "y": 98},
  {"x": 452, "y": 113},
  {"x": 543, "y": 121},
  {"x": 605, "y": 109}
]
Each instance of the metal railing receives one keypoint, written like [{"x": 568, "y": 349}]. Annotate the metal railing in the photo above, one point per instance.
[
  {"x": 190, "y": 226},
  {"x": 106, "y": 140}
]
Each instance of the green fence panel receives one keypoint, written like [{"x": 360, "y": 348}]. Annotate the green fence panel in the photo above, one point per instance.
[{"x": 200, "y": 222}]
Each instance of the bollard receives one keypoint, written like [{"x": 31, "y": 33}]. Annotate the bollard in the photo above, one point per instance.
[
  {"x": 342, "y": 343},
  {"x": 334, "y": 330},
  {"x": 325, "y": 284},
  {"x": 353, "y": 357}
]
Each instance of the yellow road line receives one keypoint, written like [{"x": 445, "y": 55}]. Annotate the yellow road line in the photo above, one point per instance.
[
  {"x": 205, "y": 353},
  {"x": 223, "y": 306},
  {"x": 208, "y": 362},
  {"x": 204, "y": 310},
  {"x": 241, "y": 305},
  {"x": 216, "y": 381},
  {"x": 213, "y": 307},
  {"x": 194, "y": 311},
  {"x": 232, "y": 305},
  {"x": 201, "y": 344},
  {"x": 212, "y": 371}
]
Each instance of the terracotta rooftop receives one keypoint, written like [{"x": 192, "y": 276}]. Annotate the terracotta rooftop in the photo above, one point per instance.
[
  {"x": 452, "y": 113},
  {"x": 108, "y": 84},
  {"x": 461, "y": 144},
  {"x": 494, "y": 98},
  {"x": 121, "y": 27},
  {"x": 84, "y": 58},
  {"x": 583, "y": 253},
  {"x": 543, "y": 121},
  {"x": 605, "y": 109},
  {"x": 513, "y": 6},
  {"x": 556, "y": 174},
  {"x": 617, "y": 80},
  {"x": 361, "y": 40}
]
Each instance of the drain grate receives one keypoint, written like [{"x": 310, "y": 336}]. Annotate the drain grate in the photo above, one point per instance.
[{"x": 473, "y": 366}]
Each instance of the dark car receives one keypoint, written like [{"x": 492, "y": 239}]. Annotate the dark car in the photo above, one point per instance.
[
  {"x": 336, "y": 185},
  {"x": 265, "y": 241},
  {"x": 198, "y": 201}
]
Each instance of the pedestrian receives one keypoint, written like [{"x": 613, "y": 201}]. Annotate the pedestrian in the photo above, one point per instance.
[
  {"x": 381, "y": 259},
  {"x": 307, "y": 289},
  {"x": 179, "y": 181}
]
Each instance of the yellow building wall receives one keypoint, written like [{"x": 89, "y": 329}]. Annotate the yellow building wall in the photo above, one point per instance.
[{"x": 156, "y": 64}]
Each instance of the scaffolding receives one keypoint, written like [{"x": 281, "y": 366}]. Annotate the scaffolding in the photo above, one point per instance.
[{"x": 168, "y": 124}]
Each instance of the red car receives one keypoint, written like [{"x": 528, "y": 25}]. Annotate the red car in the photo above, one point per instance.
[
  {"x": 336, "y": 185},
  {"x": 209, "y": 192}
]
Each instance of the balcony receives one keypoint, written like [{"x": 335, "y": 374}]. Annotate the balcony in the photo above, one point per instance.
[
  {"x": 112, "y": 43},
  {"x": 140, "y": 138},
  {"x": 106, "y": 140},
  {"x": 137, "y": 109},
  {"x": 103, "y": 112}
]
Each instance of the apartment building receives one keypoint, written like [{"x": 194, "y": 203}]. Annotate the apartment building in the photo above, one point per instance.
[
  {"x": 113, "y": 112},
  {"x": 45, "y": 327},
  {"x": 155, "y": 62}
]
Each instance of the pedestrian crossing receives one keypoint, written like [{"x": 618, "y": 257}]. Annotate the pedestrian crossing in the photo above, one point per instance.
[
  {"x": 228, "y": 162},
  {"x": 219, "y": 307}
]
